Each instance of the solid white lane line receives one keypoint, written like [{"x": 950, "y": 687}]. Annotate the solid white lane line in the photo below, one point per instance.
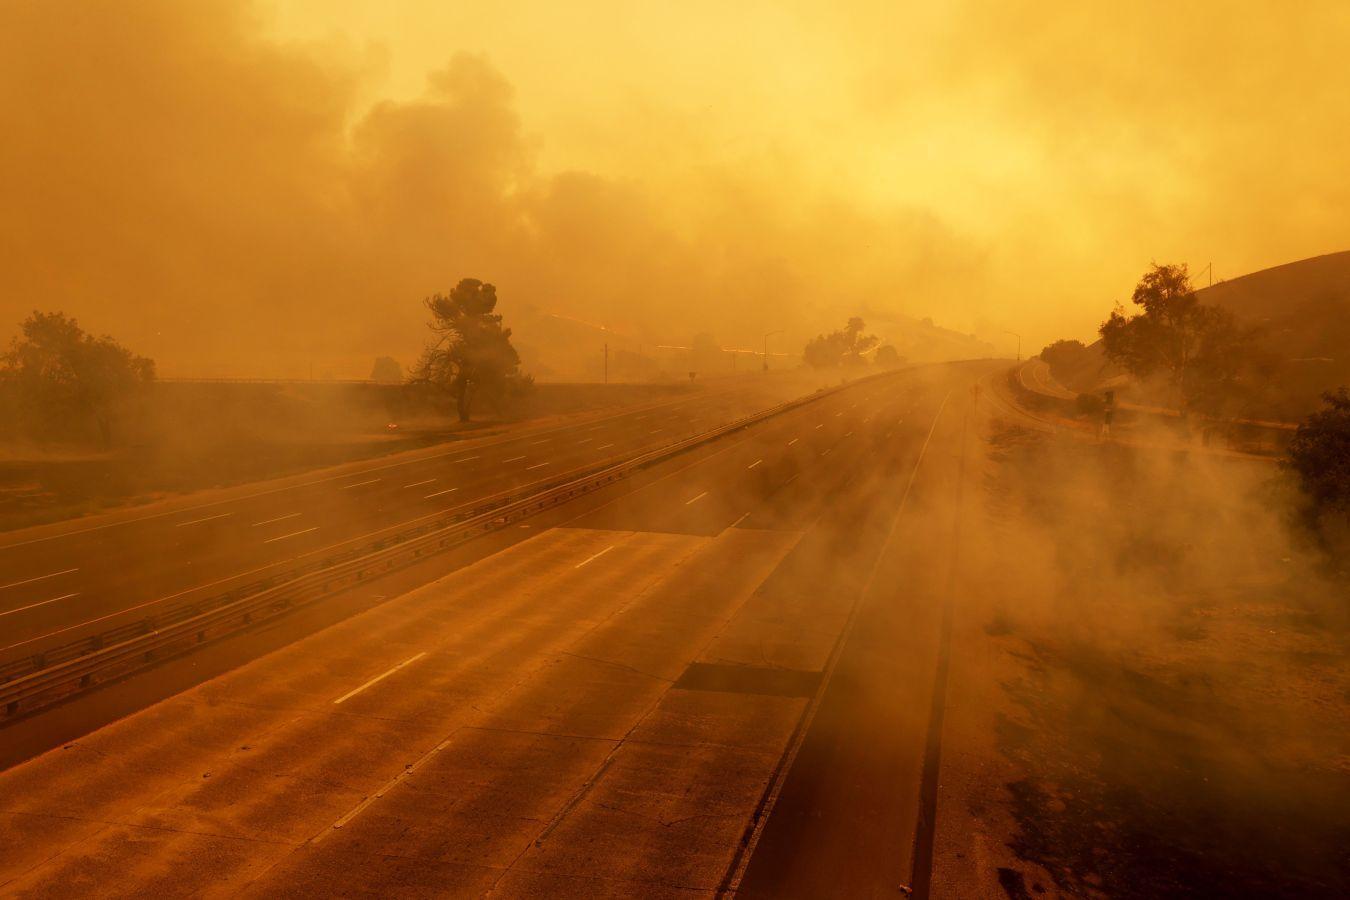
[
  {"x": 37, "y": 578},
  {"x": 200, "y": 521},
  {"x": 291, "y": 535},
  {"x": 595, "y": 557},
  {"x": 10, "y": 612},
  {"x": 347, "y": 487},
  {"x": 793, "y": 441},
  {"x": 740, "y": 520},
  {"x": 378, "y": 678},
  {"x": 277, "y": 519},
  {"x": 755, "y": 463},
  {"x": 604, "y": 446},
  {"x": 513, "y": 459},
  {"x": 420, "y": 483},
  {"x": 536, "y": 466},
  {"x": 439, "y": 493},
  {"x": 696, "y": 499}
]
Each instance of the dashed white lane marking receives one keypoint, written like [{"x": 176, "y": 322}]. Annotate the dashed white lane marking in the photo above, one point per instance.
[
  {"x": 604, "y": 446},
  {"x": 793, "y": 441},
  {"x": 740, "y": 520},
  {"x": 347, "y": 487},
  {"x": 440, "y": 493},
  {"x": 638, "y": 418},
  {"x": 277, "y": 519},
  {"x": 826, "y": 451},
  {"x": 37, "y": 578},
  {"x": 587, "y": 441},
  {"x": 696, "y": 499},
  {"x": 378, "y": 678},
  {"x": 536, "y": 466},
  {"x": 10, "y": 612},
  {"x": 850, "y": 434},
  {"x": 821, "y": 425},
  {"x": 466, "y": 459},
  {"x": 595, "y": 557},
  {"x": 755, "y": 463},
  {"x": 544, "y": 441},
  {"x": 513, "y": 459},
  {"x": 789, "y": 481},
  {"x": 656, "y": 431},
  {"x": 291, "y": 535},
  {"x": 420, "y": 483},
  {"x": 200, "y": 521},
  {"x": 838, "y": 414}
]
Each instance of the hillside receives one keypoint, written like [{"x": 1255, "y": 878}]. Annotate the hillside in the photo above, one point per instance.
[{"x": 1302, "y": 310}]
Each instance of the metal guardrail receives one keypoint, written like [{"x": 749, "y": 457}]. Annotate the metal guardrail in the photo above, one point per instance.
[{"x": 36, "y": 681}]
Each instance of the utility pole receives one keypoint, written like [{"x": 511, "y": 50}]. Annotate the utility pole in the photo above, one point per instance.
[{"x": 606, "y": 363}]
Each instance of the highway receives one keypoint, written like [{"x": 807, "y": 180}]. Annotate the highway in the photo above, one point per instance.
[
  {"x": 59, "y": 584},
  {"x": 714, "y": 678}
]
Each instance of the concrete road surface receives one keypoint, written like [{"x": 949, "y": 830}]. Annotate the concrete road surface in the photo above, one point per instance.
[{"x": 717, "y": 676}]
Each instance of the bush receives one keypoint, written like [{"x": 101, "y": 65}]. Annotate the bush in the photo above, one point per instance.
[{"x": 1320, "y": 454}]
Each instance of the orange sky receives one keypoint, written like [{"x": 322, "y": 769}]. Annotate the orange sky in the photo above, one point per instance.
[{"x": 250, "y": 187}]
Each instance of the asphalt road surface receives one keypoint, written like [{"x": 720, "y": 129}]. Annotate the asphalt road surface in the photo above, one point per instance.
[
  {"x": 60, "y": 584},
  {"x": 714, "y": 677}
]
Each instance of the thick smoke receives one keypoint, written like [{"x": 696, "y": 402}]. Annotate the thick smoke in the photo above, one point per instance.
[{"x": 228, "y": 205}]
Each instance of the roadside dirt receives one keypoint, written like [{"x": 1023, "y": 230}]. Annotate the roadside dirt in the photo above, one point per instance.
[{"x": 1149, "y": 693}]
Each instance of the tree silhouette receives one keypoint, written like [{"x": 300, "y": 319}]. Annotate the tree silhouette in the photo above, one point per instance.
[
  {"x": 472, "y": 355},
  {"x": 1200, "y": 349},
  {"x": 386, "y": 371},
  {"x": 63, "y": 378},
  {"x": 837, "y": 348},
  {"x": 1320, "y": 453}
]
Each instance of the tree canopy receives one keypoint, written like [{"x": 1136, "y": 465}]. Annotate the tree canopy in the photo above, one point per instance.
[
  {"x": 1200, "y": 349},
  {"x": 64, "y": 380},
  {"x": 472, "y": 356},
  {"x": 1320, "y": 453},
  {"x": 844, "y": 347}
]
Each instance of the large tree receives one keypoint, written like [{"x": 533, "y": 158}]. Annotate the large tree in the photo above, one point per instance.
[
  {"x": 472, "y": 355},
  {"x": 64, "y": 380},
  {"x": 1201, "y": 350},
  {"x": 846, "y": 347}
]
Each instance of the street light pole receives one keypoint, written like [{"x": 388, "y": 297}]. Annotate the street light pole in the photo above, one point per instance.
[
  {"x": 1019, "y": 343},
  {"x": 766, "y": 347}
]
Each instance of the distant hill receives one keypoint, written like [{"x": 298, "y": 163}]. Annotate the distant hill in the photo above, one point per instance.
[{"x": 1302, "y": 310}]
